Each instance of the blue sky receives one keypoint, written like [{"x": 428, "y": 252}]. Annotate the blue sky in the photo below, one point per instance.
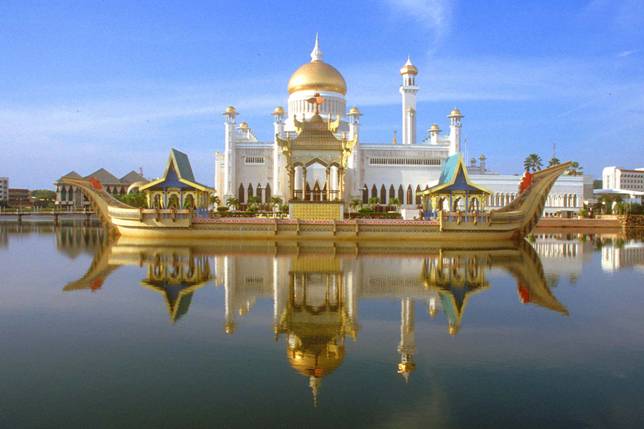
[{"x": 114, "y": 84}]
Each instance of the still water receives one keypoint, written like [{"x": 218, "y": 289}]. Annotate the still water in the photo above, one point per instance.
[{"x": 98, "y": 334}]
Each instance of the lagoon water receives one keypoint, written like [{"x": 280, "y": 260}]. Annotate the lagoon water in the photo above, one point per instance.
[{"x": 102, "y": 334}]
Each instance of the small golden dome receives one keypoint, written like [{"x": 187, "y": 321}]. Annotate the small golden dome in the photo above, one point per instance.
[
  {"x": 279, "y": 111},
  {"x": 230, "y": 110},
  {"x": 317, "y": 76},
  {"x": 354, "y": 111},
  {"x": 408, "y": 68},
  {"x": 455, "y": 113},
  {"x": 243, "y": 126},
  {"x": 435, "y": 128}
]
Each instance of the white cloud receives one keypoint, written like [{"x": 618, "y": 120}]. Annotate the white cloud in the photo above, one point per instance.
[
  {"x": 627, "y": 53},
  {"x": 433, "y": 15}
]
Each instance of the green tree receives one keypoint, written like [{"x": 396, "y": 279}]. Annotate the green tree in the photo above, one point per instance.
[
  {"x": 355, "y": 203},
  {"x": 374, "y": 201},
  {"x": 276, "y": 202},
  {"x": 232, "y": 202},
  {"x": 395, "y": 202},
  {"x": 575, "y": 169},
  {"x": 554, "y": 161},
  {"x": 253, "y": 203},
  {"x": 532, "y": 163},
  {"x": 134, "y": 199},
  {"x": 43, "y": 198},
  {"x": 214, "y": 200}
]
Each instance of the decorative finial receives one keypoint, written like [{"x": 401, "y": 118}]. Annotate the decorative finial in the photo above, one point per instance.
[
  {"x": 314, "y": 384},
  {"x": 395, "y": 140},
  {"x": 316, "y": 53}
]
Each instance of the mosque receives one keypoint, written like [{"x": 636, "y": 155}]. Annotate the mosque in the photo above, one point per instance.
[{"x": 317, "y": 155}]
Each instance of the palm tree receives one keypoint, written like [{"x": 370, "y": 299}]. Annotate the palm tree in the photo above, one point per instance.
[
  {"x": 554, "y": 161},
  {"x": 276, "y": 202},
  {"x": 395, "y": 202},
  {"x": 373, "y": 201},
  {"x": 214, "y": 200},
  {"x": 532, "y": 163},
  {"x": 253, "y": 203},
  {"x": 355, "y": 203},
  {"x": 232, "y": 202},
  {"x": 575, "y": 169}
]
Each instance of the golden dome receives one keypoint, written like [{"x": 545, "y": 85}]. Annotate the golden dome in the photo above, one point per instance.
[
  {"x": 434, "y": 127},
  {"x": 354, "y": 111},
  {"x": 455, "y": 113},
  {"x": 243, "y": 126},
  {"x": 317, "y": 76},
  {"x": 230, "y": 110},
  {"x": 409, "y": 68},
  {"x": 279, "y": 111}
]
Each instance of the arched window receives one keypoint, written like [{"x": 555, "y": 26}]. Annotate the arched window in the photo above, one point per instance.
[
  {"x": 173, "y": 202},
  {"x": 240, "y": 194},
  {"x": 250, "y": 191},
  {"x": 365, "y": 195},
  {"x": 418, "y": 196},
  {"x": 401, "y": 196},
  {"x": 392, "y": 192},
  {"x": 374, "y": 192},
  {"x": 410, "y": 197},
  {"x": 267, "y": 193},
  {"x": 383, "y": 195}
]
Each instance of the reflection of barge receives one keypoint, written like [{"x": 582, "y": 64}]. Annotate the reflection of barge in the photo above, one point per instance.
[
  {"x": 316, "y": 287},
  {"x": 513, "y": 221}
]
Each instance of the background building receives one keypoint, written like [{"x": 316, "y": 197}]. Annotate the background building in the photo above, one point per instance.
[
  {"x": 402, "y": 170},
  {"x": 4, "y": 191},
  {"x": 19, "y": 197},
  {"x": 71, "y": 197},
  {"x": 622, "y": 179},
  {"x": 623, "y": 183}
]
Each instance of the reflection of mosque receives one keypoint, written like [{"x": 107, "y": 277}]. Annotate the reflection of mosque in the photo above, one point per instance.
[
  {"x": 315, "y": 293},
  {"x": 618, "y": 254}
]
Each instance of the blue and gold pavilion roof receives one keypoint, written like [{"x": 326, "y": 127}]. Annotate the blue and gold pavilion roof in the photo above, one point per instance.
[
  {"x": 454, "y": 177},
  {"x": 178, "y": 174}
]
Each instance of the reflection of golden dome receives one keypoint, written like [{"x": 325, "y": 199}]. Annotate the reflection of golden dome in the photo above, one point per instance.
[
  {"x": 320, "y": 364},
  {"x": 229, "y": 328},
  {"x": 317, "y": 76}
]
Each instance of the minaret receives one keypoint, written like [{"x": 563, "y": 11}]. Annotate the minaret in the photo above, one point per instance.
[
  {"x": 355, "y": 174},
  {"x": 408, "y": 90},
  {"x": 455, "y": 131},
  {"x": 278, "y": 128},
  {"x": 229, "y": 152},
  {"x": 434, "y": 131},
  {"x": 407, "y": 346}
]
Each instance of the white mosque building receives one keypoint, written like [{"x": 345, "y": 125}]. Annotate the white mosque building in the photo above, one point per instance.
[{"x": 400, "y": 169}]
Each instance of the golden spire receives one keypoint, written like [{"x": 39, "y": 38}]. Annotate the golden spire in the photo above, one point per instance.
[{"x": 395, "y": 140}]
